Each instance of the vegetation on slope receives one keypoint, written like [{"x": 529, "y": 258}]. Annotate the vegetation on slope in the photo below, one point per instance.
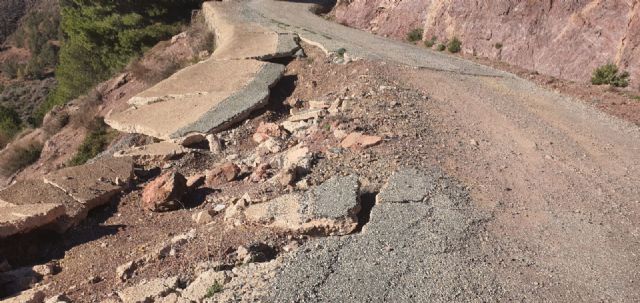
[{"x": 100, "y": 37}]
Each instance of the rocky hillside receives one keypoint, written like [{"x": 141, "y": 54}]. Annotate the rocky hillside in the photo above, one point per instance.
[
  {"x": 10, "y": 13},
  {"x": 566, "y": 39}
]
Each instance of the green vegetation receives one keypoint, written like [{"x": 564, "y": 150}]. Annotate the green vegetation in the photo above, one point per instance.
[
  {"x": 214, "y": 289},
  {"x": 611, "y": 75},
  {"x": 341, "y": 51},
  {"x": 441, "y": 47},
  {"x": 100, "y": 37},
  {"x": 498, "y": 45},
  {"x": 37, "y": 33},
  {"x": 431, "y": 42},
  {"x": 454, "y": 46},
  {"x": 415, "y": 35},
  {"x": 10, "y": 125},
  {"x": 94, "y": 143}
]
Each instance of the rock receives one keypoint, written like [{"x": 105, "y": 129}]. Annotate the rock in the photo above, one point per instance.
[
  {"x": 307, "y": 115},
  {"x": 165, "y": 192},
  {"x": 272, "y": 145},
  {"x": 359, "y": 141},
  {"x": 169, "y": 248},
  {"x": 196, "y": 181},
  {"x": 219, "y": 208},
  {"x": 215, "y": 144},
  {"x": 93, "y": 184},
  {"x": 318, "y": 105},
  {"x": 287, "y": 176},
  {"x": 473, "y": 142},
  {"x": 266, "y": 131},
  {"x": 294, "y": 127},
  {"x": 24, "y": 218},
  {"x": 339, "y": 134},
  {"x": 163, "y": 151},
  {"x": 148, "y": 291},
  {"x": 328, "y": 209},
  {"x": 28, "y": 296},
  {"x": 198, "y": 289},
  {"x": 47, "y": 269},
  {"x": 261, "y": 173},
  {"x": 298, "y": 158},
  {"x": 178, "y": 37},
  {"x": 203, "y": 217},
  {"x": 127, "y": 270},
  {"x": 335, "y": 106},
  {"x": 257, "y": 252},
  {"x": 222, "y": 174}
]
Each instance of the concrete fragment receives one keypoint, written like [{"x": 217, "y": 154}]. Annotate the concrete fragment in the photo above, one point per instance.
[
  {"x": 203, "y": 98},
  {"x": 24, "y": 218},
  {"x": 149, "y": 291},
  {"x": 197, "y": 290},
  {"x": 27, "y": 296},
  {"x": 328, "y": 209},
  {"x": 37, "y": 192},
  {"x": 165, "y": 192},
  {"x": 407, "y": 185},
  {"x": 359, "y": 141},
  {"x": 93, "y": 184},
  {"x": 161, "y": 151}
]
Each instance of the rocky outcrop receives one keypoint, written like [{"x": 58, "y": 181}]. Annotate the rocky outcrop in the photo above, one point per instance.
[{"x": 567, "y": 39}]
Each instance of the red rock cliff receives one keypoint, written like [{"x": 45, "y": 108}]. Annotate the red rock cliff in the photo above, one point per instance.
[{"x": 567, "y": 39}]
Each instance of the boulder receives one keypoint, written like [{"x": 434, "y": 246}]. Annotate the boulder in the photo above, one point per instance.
[
  {"x": 222, "y": 174},
  {"x": 165, "y": 192}
]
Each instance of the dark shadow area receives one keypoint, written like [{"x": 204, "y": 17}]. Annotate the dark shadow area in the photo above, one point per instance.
[
  {"x": 324, "y": 6},
  {"x": 280, "y": 92},
  {"x": 145, "y": 175},
  {"x": 197, "y": 197},
  {"x": 367, "y": 201}
]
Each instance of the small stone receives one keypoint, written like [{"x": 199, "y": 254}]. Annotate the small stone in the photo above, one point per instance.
[
  {"x": 165, "y": 192},
  {"x": 474, "y": 142},
  {"x": 260, "y": 173},
  {"x": 61, "y": 298},
  {"x": 266, "y": 131},
  {"x": 319, "y": 105},
  {"x": 307, "y": 115},
  {"x": 359, "y": 141},
  {"x": 202, "y": 217},
  {"x": 127, "y": 270},
  {"x": 219, "y": 208},
  {"x": 195, "y": 181},
  {"x": 215, "y": 144},
  {"x": 287, "y": 177}
]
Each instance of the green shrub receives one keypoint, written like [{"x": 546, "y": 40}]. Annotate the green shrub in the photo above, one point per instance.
[
  {"x": 498, "y": 45},
  {"x": 431, "y": 42},
  {"x": 415, "y": 35},
  {"x": 454, "y": 46},
  {"x": 441, "y": 47},
  {"x": 214, "y": 289},
  {"x": 610, "y": 74},
  {"x": 94, "y": 143},
  {"x": 10, "y": 68},
  {"x": 103, "y": 36},
  {"x": 10, "y": 125}
]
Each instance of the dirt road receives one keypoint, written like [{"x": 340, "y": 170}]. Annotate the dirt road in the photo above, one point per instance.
[{"x": 561, "y": 179}]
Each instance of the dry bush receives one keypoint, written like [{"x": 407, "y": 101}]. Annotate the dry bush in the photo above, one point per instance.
[{"x": 20, "y": 154}]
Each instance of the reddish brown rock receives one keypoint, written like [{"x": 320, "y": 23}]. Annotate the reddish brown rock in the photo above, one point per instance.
[
  {"x": 266, "y": 131},
  {"x": 222, "y": 174},
  {"x": 165, "y": 192},
  {"x": 260, "y": 173},
  {"x": 360, "y": 140}
]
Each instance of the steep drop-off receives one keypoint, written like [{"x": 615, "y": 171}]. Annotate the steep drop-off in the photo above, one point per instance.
[{"x": 566, "y": 39}]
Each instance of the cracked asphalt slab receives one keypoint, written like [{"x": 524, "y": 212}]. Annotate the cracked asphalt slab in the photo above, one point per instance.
[{"x": 408, "y": 252}]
